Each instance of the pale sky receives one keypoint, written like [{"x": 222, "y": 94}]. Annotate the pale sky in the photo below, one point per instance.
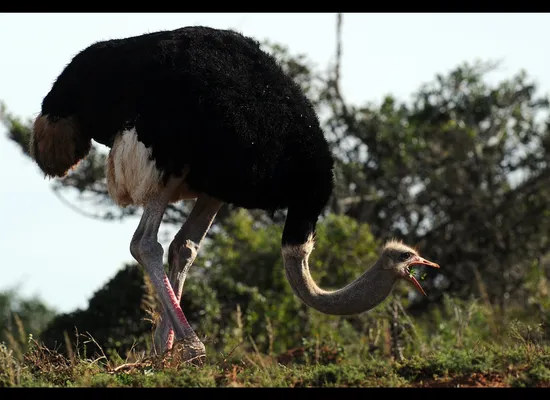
[{"x": 49, "y": 250}]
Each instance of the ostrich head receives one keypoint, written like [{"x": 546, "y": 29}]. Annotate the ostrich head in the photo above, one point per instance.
[{"x": 400, "y": 258}]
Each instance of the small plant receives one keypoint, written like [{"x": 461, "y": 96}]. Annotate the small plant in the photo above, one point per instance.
[{"x": 413, "y": 273}]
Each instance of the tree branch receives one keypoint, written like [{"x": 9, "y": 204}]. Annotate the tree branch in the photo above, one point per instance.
[{"x": 336, "y": 81}]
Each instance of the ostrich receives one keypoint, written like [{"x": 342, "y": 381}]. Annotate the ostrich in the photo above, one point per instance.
[{"x": 204, "y": 114}]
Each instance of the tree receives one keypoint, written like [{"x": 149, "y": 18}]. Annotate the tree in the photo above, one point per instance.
[{"x": 462, "y": 171}]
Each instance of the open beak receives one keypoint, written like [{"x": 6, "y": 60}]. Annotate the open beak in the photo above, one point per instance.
[{"x": 417, "y": 260}]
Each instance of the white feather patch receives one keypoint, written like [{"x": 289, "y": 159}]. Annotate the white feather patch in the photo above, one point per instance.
[
  {"x": 300, "y": 251},
  {"x": 132, "y": 175}
]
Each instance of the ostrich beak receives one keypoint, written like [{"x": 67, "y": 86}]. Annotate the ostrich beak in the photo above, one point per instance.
[{"x": 417, "y": 260}]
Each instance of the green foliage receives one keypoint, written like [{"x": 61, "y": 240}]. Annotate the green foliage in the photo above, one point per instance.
[
  {"x": 19, "y": 131},
  {"x": 462, "y": 171},
  {"x": 20, "y": 317}
]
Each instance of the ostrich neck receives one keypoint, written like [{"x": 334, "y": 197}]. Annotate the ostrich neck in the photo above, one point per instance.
[{"x": 361, "y": 295}]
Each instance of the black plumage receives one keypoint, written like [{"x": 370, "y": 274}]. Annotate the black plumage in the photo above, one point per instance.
[{"x": 211, "y": 100}]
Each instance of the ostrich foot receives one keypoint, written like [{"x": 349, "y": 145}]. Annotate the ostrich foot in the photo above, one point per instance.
[{"x": 188, "y": 350}]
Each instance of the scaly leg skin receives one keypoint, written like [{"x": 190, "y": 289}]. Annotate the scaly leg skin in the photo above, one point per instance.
[
  {"x": 181, "y": 254},
  {"x": 146, "y": 249}
]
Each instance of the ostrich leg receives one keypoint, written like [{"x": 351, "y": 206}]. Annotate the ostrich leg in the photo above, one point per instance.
[
  {"x": 146, "y": 249},
  {"x": 181, "y": 254}
]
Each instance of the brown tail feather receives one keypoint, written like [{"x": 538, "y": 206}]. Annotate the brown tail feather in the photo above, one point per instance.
[{"x": 57, "y": 145}]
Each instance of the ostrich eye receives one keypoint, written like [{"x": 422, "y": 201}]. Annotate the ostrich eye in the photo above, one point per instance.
[{"x": 405, "y": 256}]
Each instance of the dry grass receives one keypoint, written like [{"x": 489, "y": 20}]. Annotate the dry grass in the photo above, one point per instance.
[
  {"x": 462, "y": 345},
  {"x": 526, "y": 364}
]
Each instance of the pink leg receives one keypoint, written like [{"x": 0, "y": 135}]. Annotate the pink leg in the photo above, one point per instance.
[
  {"x": 149, "y": 253},
  {"x": 181, "y": 254}
]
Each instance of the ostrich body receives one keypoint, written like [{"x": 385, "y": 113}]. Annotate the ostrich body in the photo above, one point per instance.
[{"x": 205, "y": 114}]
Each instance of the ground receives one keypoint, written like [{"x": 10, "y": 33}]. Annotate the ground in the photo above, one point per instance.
[{"x": 519, "y": 366}]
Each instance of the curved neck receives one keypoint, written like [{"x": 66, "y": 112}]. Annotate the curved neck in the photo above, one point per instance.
[{"x": 361, "y": 295}]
